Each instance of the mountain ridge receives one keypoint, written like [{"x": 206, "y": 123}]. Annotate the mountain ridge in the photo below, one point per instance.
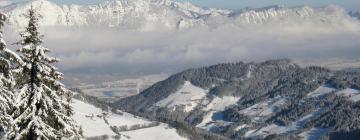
[
  {"x": 255, "y": 100},
  {"x": 149, "y": 15}
]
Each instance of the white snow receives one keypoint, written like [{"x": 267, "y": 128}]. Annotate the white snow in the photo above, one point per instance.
[
  {"x": 188, "y": 96},
  {"x": 207, "y": 121},
  {"x": 216, "y": 105},
  {"x": 162, "y": 132},
  {"x": 220, "y": 103},
  {"x": 263, "y": 108},
  {"x": 97, "y": 126},
  {"x": 270, "y": 129},
  {"x": 322, "y": 90},
  {"x": 240, "y": 127},
  {"x": 146, "y": 15},
  {"x": 248, "y": 133},
  {"x": 276, "y": 129},
  {"x": 353, "y": 94},
  {"x": 248, "y": 74},
  {"x": 313, "y": 134},
  {"x": 143, "y": 15}
]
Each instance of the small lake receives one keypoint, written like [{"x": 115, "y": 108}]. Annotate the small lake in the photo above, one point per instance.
[{"x": 109, "y": 93}]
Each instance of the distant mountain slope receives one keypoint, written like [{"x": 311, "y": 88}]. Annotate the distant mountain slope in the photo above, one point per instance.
[
  {"x": 147, "y": 15},
  {"x": 272, "y": 99}
]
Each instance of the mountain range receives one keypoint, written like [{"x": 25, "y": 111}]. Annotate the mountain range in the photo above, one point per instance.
[{"x": 149, "y": 15}]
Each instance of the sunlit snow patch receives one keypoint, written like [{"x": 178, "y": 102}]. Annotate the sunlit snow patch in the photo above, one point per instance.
[
  {"x": 353, "y": 94},
  {"x": 86, "y": 115},
  {"x": 248, "y": 74},
  {"x": 263, "y": 108},
  {"x": 240, "y": 127},
  {"x": 322, "y": 90},
  {"x": 313, "y": 134},
  {"x": 217, "y": 105},
  {"x": 220, "y": 103},
  {"x": 161, "y": 132},
  {"x": 188, "y": 96},
  {"x": 277, "y": 129}
]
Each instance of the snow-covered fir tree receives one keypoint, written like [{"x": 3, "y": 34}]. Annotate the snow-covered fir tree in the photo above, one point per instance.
[
  {"x": 42, "y": 110},
  {"x": 9, "y": 64}
]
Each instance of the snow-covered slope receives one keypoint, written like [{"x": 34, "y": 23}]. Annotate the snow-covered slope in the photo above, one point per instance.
[
  {"x": 138, "y": 14},
  {"x": 220, "y": 103},
  {"x": 95, "y": 122},
  {"x": 213, "y": 109},
  {"x": 188, "y": 97},
  {"x": 145, "y": 15},
  {"x": 262, "y": 109},
  {"x": 324, "y": 89},
  {"x": 277, "y": 129},
  {"x": 352, "y": 94}
]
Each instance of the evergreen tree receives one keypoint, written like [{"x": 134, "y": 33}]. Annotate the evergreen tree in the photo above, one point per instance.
[
  {"x": 9, "y": 64},
  {"x": 41, "y": 110}
]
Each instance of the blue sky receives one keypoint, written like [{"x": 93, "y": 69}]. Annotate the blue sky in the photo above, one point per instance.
[{"x": 237, "y": 4}]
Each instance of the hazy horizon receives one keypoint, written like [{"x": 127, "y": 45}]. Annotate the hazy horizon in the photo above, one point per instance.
[{"x": 238, "y": 4}]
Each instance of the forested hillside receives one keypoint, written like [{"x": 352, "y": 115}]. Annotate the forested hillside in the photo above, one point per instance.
[{"x": 270, "y": 99}]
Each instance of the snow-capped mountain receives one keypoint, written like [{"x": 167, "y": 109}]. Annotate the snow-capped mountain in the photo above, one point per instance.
[
  {"x": 148, "y": 15},
  {"x": 140, "y": 14}
]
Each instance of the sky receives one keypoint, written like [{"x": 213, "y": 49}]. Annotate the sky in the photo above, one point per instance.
[{"x": 238, "y": 4}]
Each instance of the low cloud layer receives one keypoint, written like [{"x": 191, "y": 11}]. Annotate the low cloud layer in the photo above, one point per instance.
[{"x": 123, "y": 52}]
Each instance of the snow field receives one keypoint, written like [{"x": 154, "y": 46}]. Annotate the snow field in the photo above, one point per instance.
[
  {"x": 97, "y": 126},
  {"x": 188, "y": 96}
]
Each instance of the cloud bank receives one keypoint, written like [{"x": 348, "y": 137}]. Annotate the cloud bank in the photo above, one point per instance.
[{"x": 128, "y": 52}]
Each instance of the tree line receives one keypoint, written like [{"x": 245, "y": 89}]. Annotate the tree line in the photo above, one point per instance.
[{"x": 34, "y": 105}]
